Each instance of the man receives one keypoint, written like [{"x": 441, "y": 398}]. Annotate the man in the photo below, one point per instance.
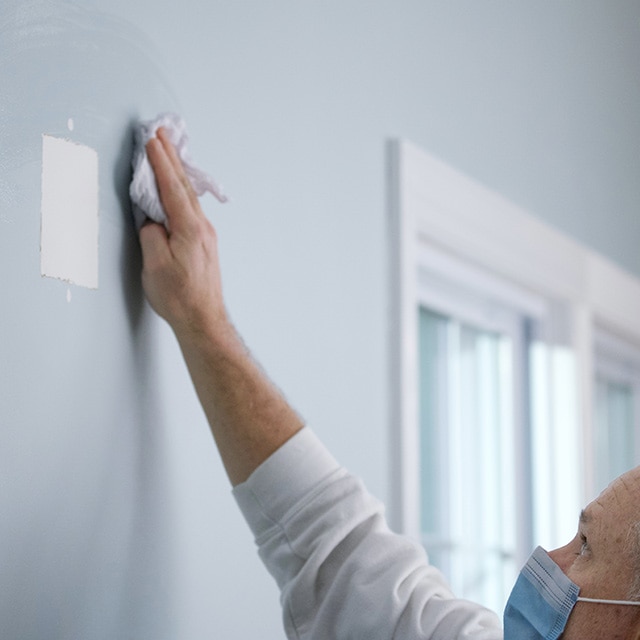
[{"x": 342, "y": 573}]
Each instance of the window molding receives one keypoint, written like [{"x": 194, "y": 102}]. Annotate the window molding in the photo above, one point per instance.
[{"x": 435, "y": 209}]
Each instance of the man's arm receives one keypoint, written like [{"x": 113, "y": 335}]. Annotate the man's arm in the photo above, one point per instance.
[
  {"x": 341, "y": 572},
  {"x": 248, "y": 416}
]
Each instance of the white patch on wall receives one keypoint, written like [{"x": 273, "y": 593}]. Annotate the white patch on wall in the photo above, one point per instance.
[{"x": 69, "y": 233}]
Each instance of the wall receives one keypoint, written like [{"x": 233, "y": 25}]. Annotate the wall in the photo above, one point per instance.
[{"x": 117, "y": 518}]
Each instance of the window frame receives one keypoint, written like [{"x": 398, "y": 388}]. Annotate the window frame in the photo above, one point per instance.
[{"x": 436, "y": 210}]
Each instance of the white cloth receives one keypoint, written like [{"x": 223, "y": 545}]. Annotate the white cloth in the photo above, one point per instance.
[
  {"x": 143, "y": 189},
  {"x": 342, "y": 573}
]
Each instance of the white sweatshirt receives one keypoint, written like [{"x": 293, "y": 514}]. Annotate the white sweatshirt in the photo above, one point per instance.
[{"x": 342, "y": 573}]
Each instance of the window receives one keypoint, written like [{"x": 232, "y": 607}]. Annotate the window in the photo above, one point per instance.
[
  {"x": 473, "y": 341},
  {"x": 511, "y": 410},
  {"x": 467, "y": 456}
]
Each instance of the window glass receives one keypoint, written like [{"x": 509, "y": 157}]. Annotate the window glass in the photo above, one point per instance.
[{"x": 468, "y": 510}]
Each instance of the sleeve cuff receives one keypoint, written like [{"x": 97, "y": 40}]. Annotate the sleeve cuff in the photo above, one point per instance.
[{"x": 281, "y": 481}]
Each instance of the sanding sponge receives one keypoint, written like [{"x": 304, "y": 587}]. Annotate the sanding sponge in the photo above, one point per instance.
[{"x": 143, "y": 189}]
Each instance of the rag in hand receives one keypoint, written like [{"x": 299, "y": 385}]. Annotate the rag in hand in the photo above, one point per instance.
[{"x": 143, "y": 189}]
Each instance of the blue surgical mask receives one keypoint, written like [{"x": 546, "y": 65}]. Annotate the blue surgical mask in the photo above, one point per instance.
[{"x": 542, "y": 600}]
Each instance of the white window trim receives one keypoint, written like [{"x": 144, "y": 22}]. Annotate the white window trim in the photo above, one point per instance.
[{"x": 434, "y": 208}]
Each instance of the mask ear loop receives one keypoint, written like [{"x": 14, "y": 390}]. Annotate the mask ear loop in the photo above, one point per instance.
[{"x": 598, "y": 601}]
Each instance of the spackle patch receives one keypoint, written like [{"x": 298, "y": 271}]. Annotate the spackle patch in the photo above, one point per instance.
[
  {"x": 70, "y": 124},
  {"x": 69, "y": 231}
]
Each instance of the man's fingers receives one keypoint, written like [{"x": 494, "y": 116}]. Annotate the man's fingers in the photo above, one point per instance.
[
  {"x": 155, "y": 245},
  {"x": 176, "y": 162},
  {"x": 170, "y": 150},
  {"x": 174, "y": 196}
]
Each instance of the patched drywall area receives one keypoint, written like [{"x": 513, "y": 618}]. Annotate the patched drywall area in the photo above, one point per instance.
[{"x": 69, "y": 231}]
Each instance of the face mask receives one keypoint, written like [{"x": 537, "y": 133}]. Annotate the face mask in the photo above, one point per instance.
[{"x": 542, "y": 599}]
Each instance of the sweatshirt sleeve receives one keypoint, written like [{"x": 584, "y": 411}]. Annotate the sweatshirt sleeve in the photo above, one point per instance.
[{"x": 342, "y": 573}]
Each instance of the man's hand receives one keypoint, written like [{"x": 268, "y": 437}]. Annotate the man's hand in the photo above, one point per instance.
[{"x": 181, "y": 274}]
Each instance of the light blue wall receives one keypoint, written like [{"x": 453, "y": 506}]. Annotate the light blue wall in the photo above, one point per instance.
[{"x": 116, "y": 516}]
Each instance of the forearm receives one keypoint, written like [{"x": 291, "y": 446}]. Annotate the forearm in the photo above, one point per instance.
[{"x": 248, "y": 416}]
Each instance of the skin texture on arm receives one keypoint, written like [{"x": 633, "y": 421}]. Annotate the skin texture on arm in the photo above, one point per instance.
[{"x": 248, "y": 416}]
